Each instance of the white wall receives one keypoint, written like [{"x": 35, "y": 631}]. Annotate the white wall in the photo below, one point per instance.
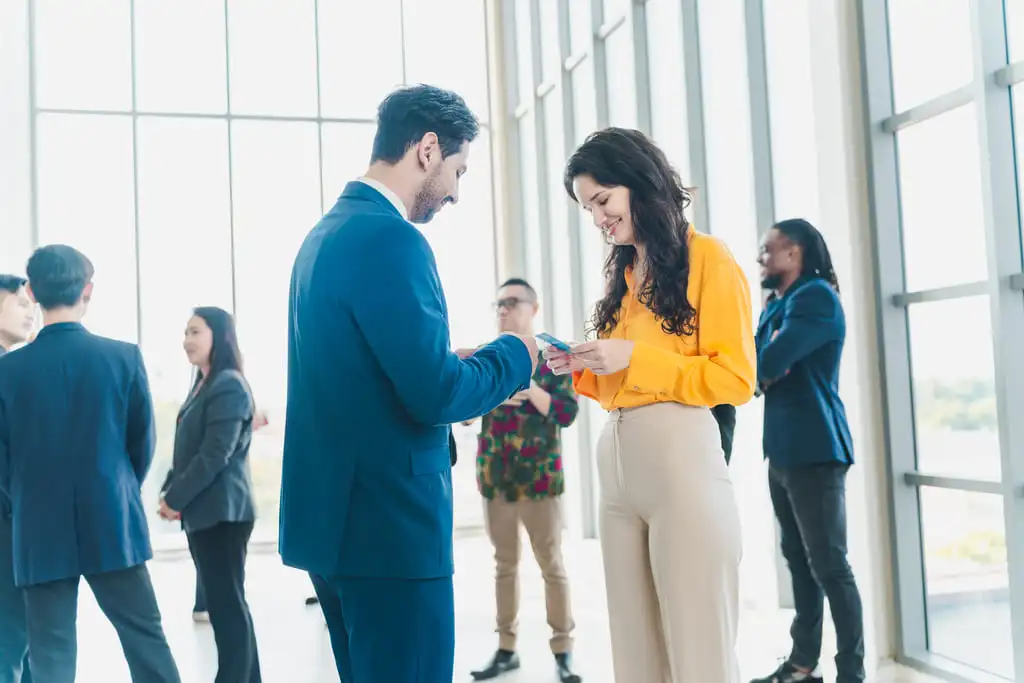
[{"x": 15, "y": 179}]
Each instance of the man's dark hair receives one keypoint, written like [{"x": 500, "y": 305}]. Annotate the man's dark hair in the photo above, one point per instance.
[
  {"x": 10, "y": 284},
  {"x": 518, "y": 281},
  {"x": 58, "y": 274},
  {"x": 409, "y": 113}
]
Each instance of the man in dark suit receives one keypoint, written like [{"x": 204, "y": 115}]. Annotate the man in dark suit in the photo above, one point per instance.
[
  {"x": 17, "y": 316},
  {"x": 373, "y": 387},
  {"x": 76, "y": 441},
  {"x": 808, "y": 446}
]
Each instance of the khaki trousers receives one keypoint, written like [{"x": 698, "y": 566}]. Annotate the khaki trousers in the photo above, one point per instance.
[
  {"x": 670, "y": 535},
  {"x": 543, "y": 522}
]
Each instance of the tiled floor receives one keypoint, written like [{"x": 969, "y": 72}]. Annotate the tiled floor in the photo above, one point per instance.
[{"x": 293, "y": 641}]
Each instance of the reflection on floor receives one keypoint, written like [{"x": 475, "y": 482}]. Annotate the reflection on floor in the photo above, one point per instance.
[{"x": 294, "y": 645}]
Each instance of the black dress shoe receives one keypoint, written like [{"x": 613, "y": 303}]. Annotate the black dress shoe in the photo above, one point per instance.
[
  {"x": 565, "y": 674},
  {"x": 502, "y": 662},
  {"x": 312, "y": 600}
]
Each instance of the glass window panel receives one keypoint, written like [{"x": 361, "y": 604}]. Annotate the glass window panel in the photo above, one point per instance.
[
  {"x": 460, "y": 65},
  {"x": 1018, "y": 128},
  {"x": 276, "y": 203},
  {"x": 620, "y": 60},
  {"x": 178, "y": 158},
  {"x": 272, "y": 57},
  {"x": 531, "y": 219},
  {"x": 955, "y": 402},
  {"x": 349, "y": 31},
  {"x": 966, "y": 578},
  {"x": 551, "y": 50},
  {"x": 78, "y": 68},
  {"x": 791, "y": 105},
  {"x": 346, "y": 148},
  {"x": 613, "y": 9},
  {"x": 462, "y": 237},
  {"x": 935, "y": 154},
  {"x": 668, "y": 82},
  {"x": 930, "y": 45},
  {"x": 524, "y": 51},
  {"x": 581, "y": 32},
  {"x": 558, "y": 245},
  {"x": 584, "y": 100},
  {"x": 170, "y": 79},
  {"x": 730, "y": 180},
  {"x": 1015, "y": 28},
  {"x": 86, "y": 189}
]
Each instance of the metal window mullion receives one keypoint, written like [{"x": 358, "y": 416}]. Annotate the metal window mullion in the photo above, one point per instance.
[
  {"x": 231, "y": 161},
  {"x": 1003, "y": 238},
  {"x": 894, "y": 340},
  {"x": 599, "y": 56},
  {"x": 514, "y": 166},
  {"x": 642, "y": 68},
  {"x": 541, "y": 171},
  {"x": 587, "y": 468},
  {"x": 319, "y": 102},
  {"x": 135, "y": 176},
  {"x": 33, "y": 117},
  {"x": 760, "y": 119},
  {"x": 694, "y": 88}
]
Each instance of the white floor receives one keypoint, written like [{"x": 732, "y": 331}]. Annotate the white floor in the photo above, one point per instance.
[{"x": 294, "y": 645}]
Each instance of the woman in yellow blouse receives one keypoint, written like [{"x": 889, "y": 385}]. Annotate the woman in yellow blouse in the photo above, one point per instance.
[{"x": 674, "y": 336}]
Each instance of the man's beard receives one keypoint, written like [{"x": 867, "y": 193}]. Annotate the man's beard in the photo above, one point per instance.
[
  {"x": 428, "y": 202},
  {"x": 772, "y": 281}
]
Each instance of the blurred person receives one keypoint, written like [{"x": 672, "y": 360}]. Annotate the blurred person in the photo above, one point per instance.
[
  {"x": 373, "y": 387},
  {"x": 209, "y": 487},
  {"x": 673, "y": 340},
  {"x": 725, "y": 416},
  {"x": 17, "y": 317},
  {"x": 520, "y": 476},
  {"x": 808, "y": 445},
  {"x": 72, "y": 461}
]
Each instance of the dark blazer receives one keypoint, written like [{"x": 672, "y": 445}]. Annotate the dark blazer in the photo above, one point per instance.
[
  {"x": 210, "y": 480},
  {"x": 76, "y": 442},
  {"x": 725, "y": 416},
  {"x": 373, "y": 387},
  {"x": 799, "y": 346}
]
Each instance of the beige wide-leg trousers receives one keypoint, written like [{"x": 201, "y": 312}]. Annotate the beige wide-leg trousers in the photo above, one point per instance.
[{"x": 670, "y": 534}]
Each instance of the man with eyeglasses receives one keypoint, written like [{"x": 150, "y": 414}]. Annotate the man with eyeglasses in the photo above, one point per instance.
[{"x": 519, "y": 474}]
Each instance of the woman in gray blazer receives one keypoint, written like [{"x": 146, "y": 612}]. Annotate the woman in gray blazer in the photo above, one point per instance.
[{"x": 209, "y": 487}]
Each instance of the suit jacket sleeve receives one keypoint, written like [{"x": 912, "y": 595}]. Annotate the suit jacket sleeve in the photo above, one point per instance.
[
  {"x": 808, "y": 323},
  {"x": 5, "y": 454},
  {"x": 227, "y": 407},
  {"x": 403, "y": 318},
  {"x": 141, "y": 436}
]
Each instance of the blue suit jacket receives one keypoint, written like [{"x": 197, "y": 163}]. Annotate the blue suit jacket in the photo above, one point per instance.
[
  {"x": 373, "y": 388},
  {"x": 799, "y": 345},
  {"x": 76, "y": 441}
]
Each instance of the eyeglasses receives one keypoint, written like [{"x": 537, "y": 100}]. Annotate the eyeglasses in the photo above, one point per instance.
[{"x": 509, "y": 303}]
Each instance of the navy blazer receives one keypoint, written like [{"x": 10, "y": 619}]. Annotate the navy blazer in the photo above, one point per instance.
[
  {"x": 373, "y": 387},
  {"x": 210, "y": 481},
  {"x": 76, "y": 442},
  {"x": 799, "y": 346}
]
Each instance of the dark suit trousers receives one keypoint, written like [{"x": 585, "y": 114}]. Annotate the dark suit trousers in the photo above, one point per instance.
[
  {"x": 220, "y": 554},
  {"x": 394, "y": 630},
  {"x": 128, "y": 601},
  {"x": 810, "y": 504},
  {"x": 13, "y": 635}
]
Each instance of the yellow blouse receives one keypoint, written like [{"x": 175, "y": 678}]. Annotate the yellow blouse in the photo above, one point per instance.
[{"x": 715, "y": 365}]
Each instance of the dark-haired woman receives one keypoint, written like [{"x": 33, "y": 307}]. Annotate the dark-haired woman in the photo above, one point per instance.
[
  {"x": 673, "y": 338},
  {"x": 808, "y": 445},
  {"x": 210, "y": 488}
]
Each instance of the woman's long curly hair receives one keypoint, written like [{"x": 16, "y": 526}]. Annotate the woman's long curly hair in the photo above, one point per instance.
[{"x": 620, "y": 157}]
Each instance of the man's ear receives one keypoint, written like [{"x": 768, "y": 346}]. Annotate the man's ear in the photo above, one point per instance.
[
  {"x": 429, "y": 150},
  {"x": 87, "y": 292}
]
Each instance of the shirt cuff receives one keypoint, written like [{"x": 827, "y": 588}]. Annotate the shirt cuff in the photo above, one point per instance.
[{"x": 651, "y": 370}]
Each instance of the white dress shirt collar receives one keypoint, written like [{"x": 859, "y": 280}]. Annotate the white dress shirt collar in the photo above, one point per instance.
[{"x": 388, "y": 194}]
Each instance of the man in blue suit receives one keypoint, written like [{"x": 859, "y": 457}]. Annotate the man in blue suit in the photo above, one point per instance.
[
  {"x": 373, "y": 387},
  {"x": 76, "y": 441},
  {"x": 808, "y": 446},
  {"x": 17, "y": 317}
]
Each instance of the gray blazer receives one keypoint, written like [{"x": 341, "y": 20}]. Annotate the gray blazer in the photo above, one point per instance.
[{"x": 210, "y": 481}]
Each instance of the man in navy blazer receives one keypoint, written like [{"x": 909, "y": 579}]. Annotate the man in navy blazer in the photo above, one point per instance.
[
  {"x": 808, "y": 446},
  {"x": 373, "y": 387},
  {"x": 76, "y": 441}
]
